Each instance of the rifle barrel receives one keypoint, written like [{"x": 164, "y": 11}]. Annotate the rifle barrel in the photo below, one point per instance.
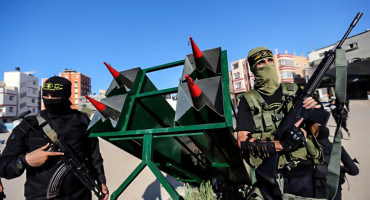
[
  {"x": 353, "y": 24},
  {"x": 326, "y": 62}
]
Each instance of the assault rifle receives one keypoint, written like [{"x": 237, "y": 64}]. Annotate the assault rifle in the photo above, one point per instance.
[
  {"x": 268, "y": 168},
  {"x": 69, "y": 162}
]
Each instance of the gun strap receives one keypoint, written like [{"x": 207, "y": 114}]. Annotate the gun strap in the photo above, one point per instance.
[
  {"x": 335, "y": 156},
  {"x": 52, "y": 135}
]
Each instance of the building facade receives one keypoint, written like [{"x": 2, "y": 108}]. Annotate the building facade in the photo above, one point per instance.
[
  {"x": 292, "y": 68},
  {"x": 8, "y": 102},
  {"x": 81, "y": 85},
  {"x": 357, "y": 48},
  {"x": 28, "y": 89},
  {"x": 242, "y": 78}
]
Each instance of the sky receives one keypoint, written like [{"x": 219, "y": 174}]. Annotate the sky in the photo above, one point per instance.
[{"x": 48, "y": 36}]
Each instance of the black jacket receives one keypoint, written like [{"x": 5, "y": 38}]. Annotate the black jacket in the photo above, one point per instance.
[{"x": 72, "y": 129}]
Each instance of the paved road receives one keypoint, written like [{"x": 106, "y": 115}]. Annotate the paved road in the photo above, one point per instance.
[
  {"x": 358, "y": 146},
  {"x": 119, "y": 164}
]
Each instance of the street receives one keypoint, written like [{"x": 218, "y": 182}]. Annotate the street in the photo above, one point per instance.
[{"x": 119, "y": 164}]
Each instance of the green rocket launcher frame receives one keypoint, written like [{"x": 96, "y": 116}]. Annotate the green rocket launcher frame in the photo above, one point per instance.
[{"x": 190, "y": 144}]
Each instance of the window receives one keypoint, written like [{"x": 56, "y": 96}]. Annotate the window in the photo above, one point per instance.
[
  {"x": 76, "y": 76},
  {"x": 235, "y": 66},
  {"x": 305, "y": 65},
  {"x": 236, "y": 75},
  {"x": 11, "y": 98},
  {"x": 352, "y": 46},
  {"x": 286, "y": 75},
  {"x": 321, "y": 55},
  {"x": 11, "y": 109},
  {"x": 297, "y": 65},
  {"x": 33, "y": 100},
  {"x": 286, "y": 62},
  {"x": 23, "y": 94},
  {"x": 238, "y": 85},
  {"x": 22, "y": 105},
  {"x": 34, "y": 82}
]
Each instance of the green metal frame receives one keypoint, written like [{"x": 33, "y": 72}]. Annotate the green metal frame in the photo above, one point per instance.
[{"x": 148, "y": 134}]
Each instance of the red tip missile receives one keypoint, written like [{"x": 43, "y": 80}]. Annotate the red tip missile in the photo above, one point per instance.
[
  {"x": 196, "y": 51},
  {"x": 120, "y": 79},
  {"x": 193, "y": 88},
  {"x": 114, "y": 72},
  {"x": 198, "y": 97},
  {"x": 200, "y": 61},
  {"x": 105, "y": 110}
]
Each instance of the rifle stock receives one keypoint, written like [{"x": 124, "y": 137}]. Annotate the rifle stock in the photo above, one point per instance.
[{"x": 268, "y": 168}]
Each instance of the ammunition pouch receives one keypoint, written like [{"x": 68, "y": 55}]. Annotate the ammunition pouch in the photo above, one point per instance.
[{"x": 258, "y": 148}]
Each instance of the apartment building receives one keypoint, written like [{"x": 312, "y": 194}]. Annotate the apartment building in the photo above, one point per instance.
[
  {"x": 292, "y": 68},
  {"x": 28, "y": 90},
  {"x": 242, "y": 78},
  {"x": 81, "y": 85},
  {"x": 8, "y": 102}
]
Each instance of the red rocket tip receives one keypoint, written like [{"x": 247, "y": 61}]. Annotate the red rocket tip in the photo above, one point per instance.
[
  {"x": 114, "y": 72},
  {"x": 196, "y": 51},
  {"x": 99, "y": 106},
  {"x": 195, "y": 91}
]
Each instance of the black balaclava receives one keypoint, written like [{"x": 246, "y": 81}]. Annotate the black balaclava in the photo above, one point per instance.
[{"x": 57, "y": 87}]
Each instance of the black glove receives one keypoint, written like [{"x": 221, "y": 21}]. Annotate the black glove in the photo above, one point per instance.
[
  {"x": 293, "y": 139},
  {"x": 257, "y": 148}
]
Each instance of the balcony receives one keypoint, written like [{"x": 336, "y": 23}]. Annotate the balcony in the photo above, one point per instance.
[{"x": 287, "y": 68}]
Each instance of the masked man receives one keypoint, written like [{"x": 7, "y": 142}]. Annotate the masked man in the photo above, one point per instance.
[
  {"x": 259, "y": 114},
  {"x": 27, "y": 149}
]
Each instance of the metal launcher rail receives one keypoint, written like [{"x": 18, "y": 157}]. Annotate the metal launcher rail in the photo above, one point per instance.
[{"x": 193, "y": 142}]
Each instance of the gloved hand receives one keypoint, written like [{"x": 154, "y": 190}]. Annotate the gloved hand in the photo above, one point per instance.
[{"x": 293, "y": 139}]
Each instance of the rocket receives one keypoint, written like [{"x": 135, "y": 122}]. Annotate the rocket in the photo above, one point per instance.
[
  {"x": 120, "y": 79},
  {"x": 200, "y": 61},
  {"x": 103, "y": 109},
  {"x": 198, "y": 97}
]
